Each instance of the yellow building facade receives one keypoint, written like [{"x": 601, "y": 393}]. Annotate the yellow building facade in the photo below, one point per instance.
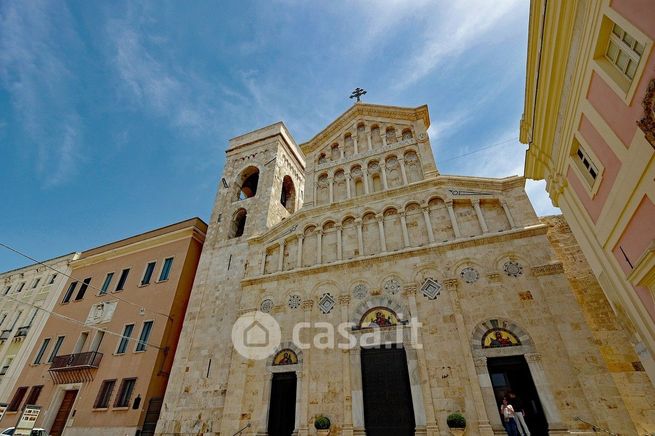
[{"x": 589, "y": 121}]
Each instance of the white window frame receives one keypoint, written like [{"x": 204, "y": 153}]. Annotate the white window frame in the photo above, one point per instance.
[
  {"x": 591, "y": 185},
  {"x": 159, "y": 280},
  {"x": 103, "y": 291},
  {"x": 152, "y": 276},
  {"x": 35, "y": 282},
  {"x": 620, "y": 83},
  {"x": 138, "y": 339},
  {"x": 129, "y": 338}
]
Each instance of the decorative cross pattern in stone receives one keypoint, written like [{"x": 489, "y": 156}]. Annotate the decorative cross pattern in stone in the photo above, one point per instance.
[
  {"x": 470, "y": 275},
  {"x": 431, "y": 288},
  {"x": 360, "y": 291},
  {"x": 512, "y": 269},
  {"x": 266, "y": 306},
  {"x": 392, "y": 286},
  {"x": 326, "y": 303},
  {"x": 294, "y": 301}
]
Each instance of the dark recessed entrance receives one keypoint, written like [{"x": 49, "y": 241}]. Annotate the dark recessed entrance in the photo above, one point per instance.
[
  {"x": 282, "y": 411},
  {"x": 513, "y": 374},
  {"x": 388, "y": 409}
]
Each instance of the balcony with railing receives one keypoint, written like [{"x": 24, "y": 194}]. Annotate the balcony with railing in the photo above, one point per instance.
[
  {"x": 75, "y": 368},
  {"x": 4, "y": 335},
  {"x": 22, "y": 331}
]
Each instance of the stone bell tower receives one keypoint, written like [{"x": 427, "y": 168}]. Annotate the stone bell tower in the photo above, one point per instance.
[{"x": 262, "y": 184}]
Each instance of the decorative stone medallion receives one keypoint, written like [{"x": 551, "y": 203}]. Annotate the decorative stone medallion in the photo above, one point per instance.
[
  {"x": 360, "y": 291},
  {"x": 294, "y": 301},
  {"x": 512, "y": 269},
  {"x": 431, "y": 288},
  {"x": 326, "y": 303},
  {"x": 392, "y": 286},
  {"x": 266, "y": 306},
  {"x": 470, "y": 275}
]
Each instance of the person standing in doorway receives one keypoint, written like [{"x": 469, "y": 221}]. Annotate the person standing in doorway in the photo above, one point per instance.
[
  {"x": 519, "y": 414},
  {"x": 507, "y": 411}
]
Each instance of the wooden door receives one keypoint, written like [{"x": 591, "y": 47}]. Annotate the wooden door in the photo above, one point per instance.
[
  {"x": 152, "y": 415},
  {"x": 62, "y": 414},
  {"x": 282, "y": 411},
  {"x": 388, "y": 408}
]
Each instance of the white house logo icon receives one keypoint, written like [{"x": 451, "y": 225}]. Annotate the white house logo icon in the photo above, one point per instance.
[{"x": 256, "y": 335}]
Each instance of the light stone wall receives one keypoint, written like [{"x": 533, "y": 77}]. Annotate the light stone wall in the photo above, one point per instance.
[{"x": 422, "y": 226}]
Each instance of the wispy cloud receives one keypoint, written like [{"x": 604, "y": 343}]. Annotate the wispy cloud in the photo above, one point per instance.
[
  {"x": 160, "y": 86},
  {"x": 34, "y": 72},
  {"x": 455, "y": 27}
]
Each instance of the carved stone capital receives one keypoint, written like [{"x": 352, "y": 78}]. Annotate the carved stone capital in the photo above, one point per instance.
[
  {"x": 344, "y": 299},
  {"x": 244, "y": 311},
  {"x": 379, "y": 217},
  {"x": 410, "y": 289},
  {"x": 449, "y": 203},
  {"x": 533, "y": 357},
  {"x": 307, "y": 305},
  {"x": 475, "y": 202},
  {"x": 451, "y": 284},
  {"x": 493, "y": 277},
  {"x": 548, "y": 269},
  {"x": 358, "y": 221},
  {"x": 481, "y": 363}
]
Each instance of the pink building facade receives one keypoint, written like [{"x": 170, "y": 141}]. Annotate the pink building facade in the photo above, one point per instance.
[{"x": 589, "y": 121}]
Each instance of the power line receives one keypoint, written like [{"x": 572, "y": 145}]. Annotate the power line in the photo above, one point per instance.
[
  {"x": 477, "y": 150},
  {"x": 79, "y": 280},
  {"x": 75, "y": 321}
]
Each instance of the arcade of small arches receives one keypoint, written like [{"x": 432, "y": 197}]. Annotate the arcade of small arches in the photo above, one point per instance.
[
  {"x": 364, "y": 138},
  {"x": 390, "y": 229},
  {"x": 373, "y": 175}
]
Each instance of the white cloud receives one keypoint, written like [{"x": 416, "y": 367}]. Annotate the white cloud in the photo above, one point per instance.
[
  {"x": 536, "y": 190},
  {"x": 456, "y": 27},
  {"x": 33, "y": 70}
]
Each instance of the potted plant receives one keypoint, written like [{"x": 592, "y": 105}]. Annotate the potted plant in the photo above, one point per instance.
[
  {"x": 456, "y": 423},
  {"x": 322, "y": 424}
]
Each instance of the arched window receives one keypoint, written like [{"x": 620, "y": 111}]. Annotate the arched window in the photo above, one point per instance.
[
  {"x": 238, "y": 223},
  {"x": 288, "y": 195},
  {"x": 407, "y": 134},
  {"x": 247, "y": 183}
]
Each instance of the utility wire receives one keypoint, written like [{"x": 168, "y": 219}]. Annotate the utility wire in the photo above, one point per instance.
[
  {"x": 477, "y": 150},
  {"x": 79, "y": 280},
  {"x": 75, "y": 321}
]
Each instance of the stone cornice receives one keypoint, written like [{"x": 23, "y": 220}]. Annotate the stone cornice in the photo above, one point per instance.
[
  {"x": 440, "y": 247},
  {"x": 548, "y": 269},
  {"x": 365, "y": 109}
]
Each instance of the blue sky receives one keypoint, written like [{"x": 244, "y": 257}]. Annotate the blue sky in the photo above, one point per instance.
[{"x": 114, "y": 116}]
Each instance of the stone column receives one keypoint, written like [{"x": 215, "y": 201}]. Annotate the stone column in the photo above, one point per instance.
[
  {"x": 299, "y": 402},
  {"x": 365, "y": 177},
  {"x": 383, "y": 170},
  {"x": 301, "y": 238},
  {"x": 303, "y": 430},
  {"x": 347, "y": 428},
  {"x": 319, "y": 246},
  {"x": 355, "y": 144},
  {"x": 348, "y": 188},
  {"x": 360, "y": 239},
  {"x": 431, "y": 426},
  {"x": 508, "y": 213},
  {"x": 478, "y": 212},
  {"x": 383, "y": 240},
  {"x": 383, "y": 135},
  {"x": 401, "y": 161},
  {"x": 487, "y": 392},
  {"x": 315, "y": 191},
  {"x": 342, "y": 149},
  {"x": 453, "y": 219},
  {"x": 339, "y": 246},
  {"x": 280, "y": 259},
  {"x": 262, "y": 420},
  {"x": 472, "y": 388},
  {"x": 263, "y": 266},
  {"x": 368, "y": 137},
  {"x": 331, "y": 183},
  {"x": 403, "y": 224},
  {"x": 546, "y": 396},
  {"x": 428, "y": 224},
  {"x": 357, "y": 393}
]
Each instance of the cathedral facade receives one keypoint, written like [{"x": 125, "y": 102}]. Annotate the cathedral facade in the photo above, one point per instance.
[{"x": 442, "y": 293}]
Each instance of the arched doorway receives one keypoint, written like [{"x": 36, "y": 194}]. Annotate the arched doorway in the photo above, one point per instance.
[
  {"x": 508, "y": 367},
  {"x": 282, "y": 397}
]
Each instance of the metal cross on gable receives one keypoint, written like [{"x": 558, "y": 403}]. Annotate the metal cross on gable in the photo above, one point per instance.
[{"x": 357, "y": 93}]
